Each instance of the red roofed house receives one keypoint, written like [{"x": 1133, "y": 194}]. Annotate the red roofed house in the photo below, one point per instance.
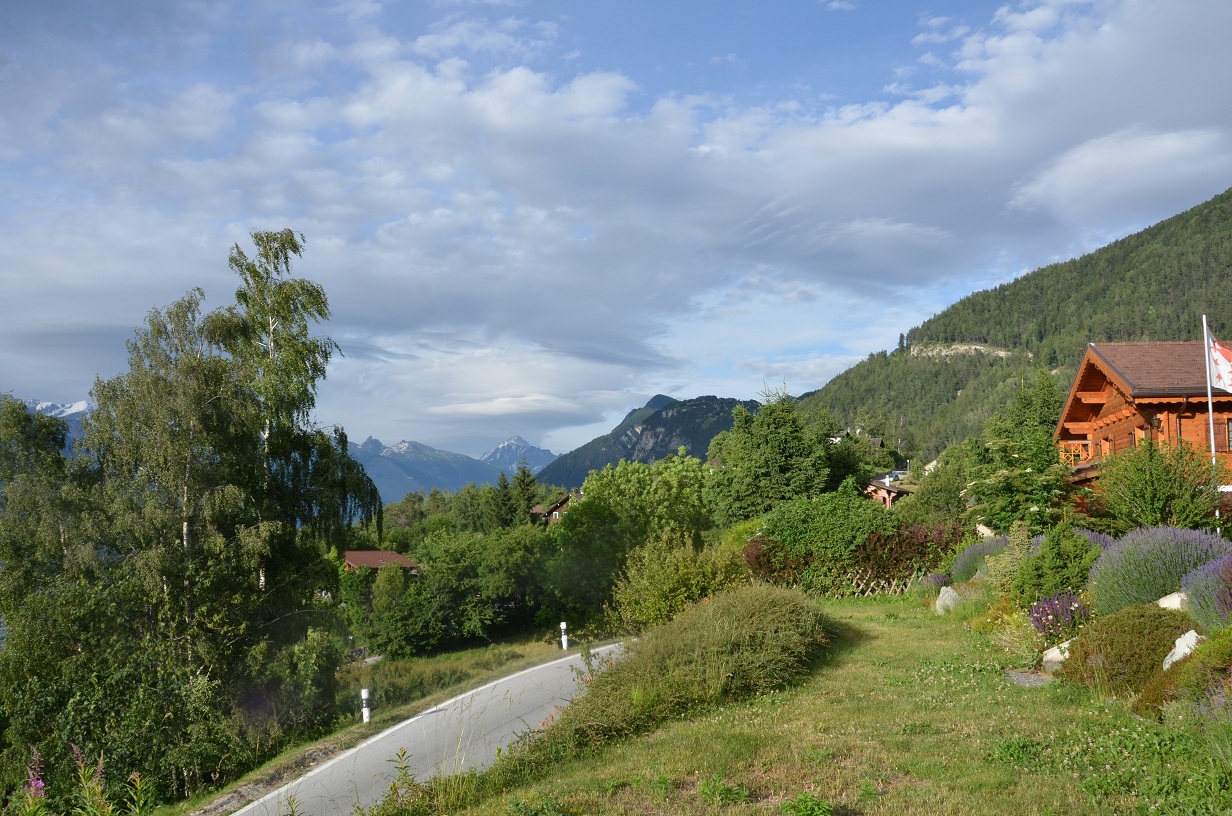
[
  {"x": 1127, "y": 392},
  {"x": 375, "y": 559}
]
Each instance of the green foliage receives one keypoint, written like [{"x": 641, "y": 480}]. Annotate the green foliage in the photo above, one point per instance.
[
  {"x": 1120, "y": 652},
  {"x": 1020, "y": 477},
  {"x": 765, "y": 459},
  {"x": 620, "y": 509},
  {"x": 1063, "y": 563},
  {"x": 807, "y": 804},
  {"x": 820, "y": 537},
  {"x": 1146, "y": 564},
  {"x": 1154, "y": 485},
  {"x": 159, "y": 589},
  {"x": 666, "y": 574}
]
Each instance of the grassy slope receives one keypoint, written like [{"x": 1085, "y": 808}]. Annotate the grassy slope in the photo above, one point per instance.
[{"x": 910, "y": 713}]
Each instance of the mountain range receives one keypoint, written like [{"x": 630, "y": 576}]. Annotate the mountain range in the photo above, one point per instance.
[{"x": 411, "y": 467}]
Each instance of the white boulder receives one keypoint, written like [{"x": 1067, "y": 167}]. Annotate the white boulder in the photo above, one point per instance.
[
  {"x": 1054, "y": 657},
  {"x": 947, "y": 599},
  {"x": 1177, "y": 600},
  {"x": 1185, "y": 644}
]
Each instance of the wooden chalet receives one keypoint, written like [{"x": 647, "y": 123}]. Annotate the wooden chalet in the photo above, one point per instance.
[{"x": 1127, "y": 392}]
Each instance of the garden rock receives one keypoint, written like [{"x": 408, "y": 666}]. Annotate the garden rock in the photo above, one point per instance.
[
  {"x": 1185, "y": 644},
  {"x": 1054, "y": 657},
  {"x": 1177, "y": 600},
  {"x": 947, "y": 599}
]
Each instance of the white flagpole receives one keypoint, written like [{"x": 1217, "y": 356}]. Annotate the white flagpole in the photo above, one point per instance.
[
  {"x": 1210, "y": 400},
  {"x": 1210, "y": 408}
]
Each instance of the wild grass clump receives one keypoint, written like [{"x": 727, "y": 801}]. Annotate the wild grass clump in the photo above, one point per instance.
[
  {"x": 968, "y": 562},
  {"x": 1119, "y": 653},
  {"x": 1209, "y": 590},
  {"x": 395, "y": 682},
  {"x": 735, "y": 645},
  {"x": 1146, "y": 564}
]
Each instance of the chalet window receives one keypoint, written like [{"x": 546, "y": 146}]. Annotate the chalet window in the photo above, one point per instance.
[{"x": 1229, "y": 435}]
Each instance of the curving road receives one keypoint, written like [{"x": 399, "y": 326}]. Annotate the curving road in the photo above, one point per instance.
[{"x": 460, "y": 734}]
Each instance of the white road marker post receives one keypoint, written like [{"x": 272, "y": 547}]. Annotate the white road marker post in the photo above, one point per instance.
[
  {"x": 363, "y": 696},
  {"x": 564, "y": 636}
]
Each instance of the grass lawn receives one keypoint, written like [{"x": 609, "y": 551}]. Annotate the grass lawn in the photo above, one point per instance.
[{"x": 908, "y": 713}]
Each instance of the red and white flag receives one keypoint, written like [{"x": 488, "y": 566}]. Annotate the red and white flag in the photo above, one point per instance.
[{"x": 1220, "y": 362}]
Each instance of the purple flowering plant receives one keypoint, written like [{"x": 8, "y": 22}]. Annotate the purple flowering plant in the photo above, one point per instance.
[
  {"x": 31, "y": 802},
  {"x": 1059, "y": 617}
]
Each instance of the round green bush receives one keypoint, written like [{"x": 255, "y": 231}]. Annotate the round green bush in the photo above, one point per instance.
[
  {"x": 1119, "y": 653},
  {"x": 1203, "y": 679}
]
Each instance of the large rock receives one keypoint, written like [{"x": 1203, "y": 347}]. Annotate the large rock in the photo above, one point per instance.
[
  {"x": 1177, "y": 600},
  {"x": 1054, "y": 657},
  {"x": 947, "y": 599},
  {"x": 1185, "y": 644}
]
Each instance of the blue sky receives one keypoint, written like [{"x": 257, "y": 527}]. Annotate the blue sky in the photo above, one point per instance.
[{"x": 532, "y": 216}]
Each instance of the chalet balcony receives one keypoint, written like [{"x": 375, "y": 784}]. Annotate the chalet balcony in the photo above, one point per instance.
[{"x": 1075, "y": 452}]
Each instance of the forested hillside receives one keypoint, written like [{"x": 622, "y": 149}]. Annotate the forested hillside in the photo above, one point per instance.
[{"x": 936, "y": 388}]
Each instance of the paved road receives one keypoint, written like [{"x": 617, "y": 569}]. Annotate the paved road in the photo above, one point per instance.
[{"x": 457, "y": 735}]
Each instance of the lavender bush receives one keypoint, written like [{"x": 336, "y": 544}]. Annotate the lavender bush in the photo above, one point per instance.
[
  {"x": 1209, "y": 588},
  {"x": 968, "y": 562},
  {"x": 1059, "y": 617},
  {"x": 1148, "y": 563}
]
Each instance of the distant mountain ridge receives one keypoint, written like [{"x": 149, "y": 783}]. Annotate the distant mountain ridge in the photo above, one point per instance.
[
  {"x": 647, "y": 434},
  {"x": 410, "y": 467},
  {"x": 959, "y": 366},
  {"x": 508, "y": 455}
]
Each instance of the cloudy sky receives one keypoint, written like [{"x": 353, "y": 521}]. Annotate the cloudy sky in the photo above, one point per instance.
[{"x": 532, "y": 216}]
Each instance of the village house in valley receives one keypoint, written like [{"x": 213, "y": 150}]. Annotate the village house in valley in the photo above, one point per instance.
[{"x": 1125, "y": 393}]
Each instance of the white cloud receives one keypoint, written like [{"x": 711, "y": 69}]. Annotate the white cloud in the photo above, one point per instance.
[{"x": 511, "y": 239}]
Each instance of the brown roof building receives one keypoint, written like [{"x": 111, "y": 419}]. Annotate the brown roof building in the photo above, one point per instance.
[
  {"x": 1127, "y": 392},
  {"x": 375, "y": 559}
]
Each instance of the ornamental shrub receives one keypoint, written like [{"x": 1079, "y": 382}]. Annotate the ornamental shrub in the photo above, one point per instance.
[
  {"x": 968, "y": 562},
  {"x": 1119, "y": 653},
  {"x": 1059, "y": 617},
  {"x": 1146, "y": 564},
  {"x": 1061, "y": 564},
  {"x": 906, "y": 550},
  {"x": 1209, "y": 589},
  {"x": 1201, "y": 683}
]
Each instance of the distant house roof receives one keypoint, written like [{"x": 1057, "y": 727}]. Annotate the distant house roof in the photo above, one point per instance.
[
  {"x": 375, "y": 559},
  {"x": 553, "y": 513}
]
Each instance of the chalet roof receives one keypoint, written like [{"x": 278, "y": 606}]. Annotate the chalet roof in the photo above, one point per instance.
[
  {"x": 375, "y": 559},
  {"x": 1155, "y": 368}
]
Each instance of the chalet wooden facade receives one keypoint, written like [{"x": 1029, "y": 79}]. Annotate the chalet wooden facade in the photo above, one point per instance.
[{"x": 1127, "y": 392}]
